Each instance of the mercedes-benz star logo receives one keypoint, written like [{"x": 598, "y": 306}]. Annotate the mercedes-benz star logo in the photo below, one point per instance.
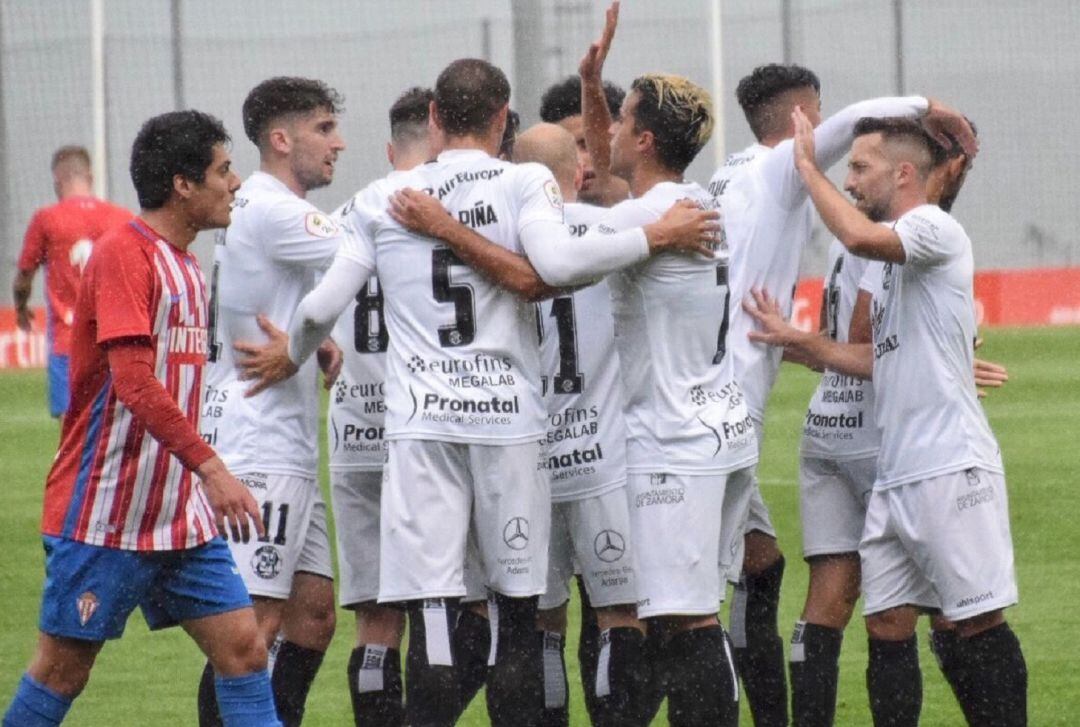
[
  {"x": 609, "y": 546},
  {"x": 516, "y": 533}
]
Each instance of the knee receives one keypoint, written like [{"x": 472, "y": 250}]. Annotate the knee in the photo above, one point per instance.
[
  {"x": 242, "y": 651},
  {"x": 67, "y": 678},
  {"x": 380, "y": 625},
  {"x": 895, "y": 624}
]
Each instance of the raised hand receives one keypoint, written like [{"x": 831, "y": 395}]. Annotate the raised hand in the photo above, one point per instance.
[
  {"x": 592, "y": 63},
  {"x": 941, "y": 121},
  {"x": 267, "y": 364},
  {"x": 804, "y": 141}
]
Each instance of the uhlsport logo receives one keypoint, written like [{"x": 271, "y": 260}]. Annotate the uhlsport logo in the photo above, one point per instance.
[
  {"x": 266, "y": 562},
  {"x": 86, "y": 604},
  {"x": 609, "y": 546},
  {"x": 516, "y": 533}
]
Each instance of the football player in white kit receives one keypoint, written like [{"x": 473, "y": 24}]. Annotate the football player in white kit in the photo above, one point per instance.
[
  {"x": 768, "y": 219},
  {"x": 937, "y": 528},
  {"x": 464, "y": 414},
  {"x": 267, "y": 260},
  {"x": 585, "y": 456},
  {"x": 358, "y": 453}
]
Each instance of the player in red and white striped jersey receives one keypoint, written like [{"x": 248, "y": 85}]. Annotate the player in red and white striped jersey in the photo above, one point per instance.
[{"x": 125, "y": 523}]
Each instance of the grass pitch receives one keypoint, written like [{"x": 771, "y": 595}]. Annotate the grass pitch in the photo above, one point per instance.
[{"x": 151, "y": 679}]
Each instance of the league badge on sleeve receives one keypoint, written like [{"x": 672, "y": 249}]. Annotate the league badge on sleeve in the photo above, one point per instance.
[
  {"x": 551, "y": 189},
  {"x": 319, "y": 225}
]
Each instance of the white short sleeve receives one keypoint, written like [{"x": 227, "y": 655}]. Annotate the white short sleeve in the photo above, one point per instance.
[
  {"x": 928, "y": 236},
  {"x": 296, "y": 233}
]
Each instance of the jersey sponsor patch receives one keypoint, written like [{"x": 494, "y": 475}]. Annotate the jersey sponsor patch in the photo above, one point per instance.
[
  {"x": 319, "y": 225},
  {"x": 551, "y": 189}
]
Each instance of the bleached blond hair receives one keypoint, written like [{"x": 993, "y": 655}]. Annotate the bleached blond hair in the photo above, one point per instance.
[{"x": 678, "y": 113}]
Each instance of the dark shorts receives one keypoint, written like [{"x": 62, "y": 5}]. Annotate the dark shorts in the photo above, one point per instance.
[{"x": 90, "y": 591}]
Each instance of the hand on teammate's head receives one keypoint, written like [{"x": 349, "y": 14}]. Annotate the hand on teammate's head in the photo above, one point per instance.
[{"x": 945, "y": 124}]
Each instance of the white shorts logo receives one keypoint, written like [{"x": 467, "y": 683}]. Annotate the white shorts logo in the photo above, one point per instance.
[
  {"x": 609, "y": 546},
  {"x": 516, "y": 533},
  {"x": 266, "y": 562}
]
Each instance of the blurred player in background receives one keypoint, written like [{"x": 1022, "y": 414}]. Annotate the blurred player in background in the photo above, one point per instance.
[
  {"x": 60, "y": 237},
  {"x": 267, "y": 260},
  {"x": 127, "y": 524},
  {"x": 768, "y": 218},
  {"x": 937, "y": 527}
]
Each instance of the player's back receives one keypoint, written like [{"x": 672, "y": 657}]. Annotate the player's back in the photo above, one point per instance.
[
  {"x": 264, "y": 263},
  {"x": 766, "y": 232},
  {"x": 463, "y": 362},
  {"x": 685, "y": 411}
]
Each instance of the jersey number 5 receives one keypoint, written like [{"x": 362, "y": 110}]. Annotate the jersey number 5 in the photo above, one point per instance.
[{"x": 463, "y": 330}]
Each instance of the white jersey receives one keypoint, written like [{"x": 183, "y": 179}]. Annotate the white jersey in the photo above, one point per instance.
[
  {"x": 685, "y": 412},
  {"x": 463, "y": 364},
  {"x": 768, "y": 219},
  {"x": 924, "y": 329},
  {"x": 584, "y": 448},
  {"x": 840, "y": 420},
  {"x": 266, "y": 261}
]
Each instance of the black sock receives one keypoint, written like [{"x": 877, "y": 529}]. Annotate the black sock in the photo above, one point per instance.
[
  {"x": 294, "y": 670},
  {"x": 209, "y": 716},
  {"x": 996, "y": 678},
  {"x": 556, "y": 687},
  {"x": 621, "y": 686},
  {"x": 894, "y": 682},
  {"x": 431, "y": 681},
  {"x": 815, "y": 671},
  {"x": 515, "y": 685},
  {"x": 472, "y": 645},
  {"x": 943, "y": 646},
  {"x": 375, "y": 686},
  {"x": 702, "y": 689},
  {"x": 760, "y": 654},
  {"x": 588, "y": 649},
  {"x": 654, "y": 656}
]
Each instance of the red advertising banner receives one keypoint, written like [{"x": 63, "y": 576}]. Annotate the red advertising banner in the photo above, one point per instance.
[{"x": 1039, "y": 297}]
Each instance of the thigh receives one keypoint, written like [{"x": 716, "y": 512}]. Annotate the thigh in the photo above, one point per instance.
[
  {"x": 831, "y": 507},
  {"x": 600, "y": 529},
  {"x": 90, "y": 591},
  {"x": 424, "y": 520},
  {"x": 739, "y": 492},
  {"x": 267, "y": 564},
  {"x": 675, "y": 523},
  {"x": 560, "y": 558},
  {"x": 890, "y": 576},
  {"x": 957, "y": 529},
  {"x": 512, "y": 516},
  {"x": 194, "y": 584},
  {"x": 356, "y": 497}
]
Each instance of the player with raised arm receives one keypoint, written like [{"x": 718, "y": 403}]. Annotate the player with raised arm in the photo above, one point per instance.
[
  {"x": 768, "y": 219},
  {"x": 264, "y": 263},
  {"x": 464, "y": 414},
  {"x": 134, "y": 494},
  {"x": 937, "y": 529},
  {"x": 358, "y": 453},
  {"x": 60, "y": 237}
]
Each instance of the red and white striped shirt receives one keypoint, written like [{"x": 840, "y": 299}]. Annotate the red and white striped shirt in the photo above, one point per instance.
[{"x": 113, "y": 484}]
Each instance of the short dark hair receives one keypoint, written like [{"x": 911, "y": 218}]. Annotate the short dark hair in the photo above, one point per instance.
[
  {"x": 506, "y": 146},
  {"x": 409, "y": 114},
  {"x": 178, "y": 142},
  {"x": 284, "y": 96},
  {"x": 677, "y": 112},
  {"x": 756, "y": 92},
  {"x": 564, "y": 99},
  {"x": 70, "y": 153},
  {"x": 903, "y": 129},
  {"x": 468, "y": 94}
]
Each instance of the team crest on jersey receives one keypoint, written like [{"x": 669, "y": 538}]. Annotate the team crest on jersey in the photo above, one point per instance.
[
  {"x": 319, "y": 225},
  {"x": 87, "y": 604},
  {"x": 551, "y": 189},
  {"x": 266, "y": 562}
]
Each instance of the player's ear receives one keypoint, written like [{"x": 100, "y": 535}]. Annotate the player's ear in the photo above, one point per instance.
[
  {"x": 433, "y": 115},
  {"x": 390, "y": 153},
  {"x": 579, "y": 177},
  {"x": 279, "y": 139},
  {"x": 182, "y": 186}
]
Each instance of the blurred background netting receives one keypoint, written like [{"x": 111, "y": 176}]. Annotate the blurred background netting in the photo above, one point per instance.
[{"x": 1011, "y": 66}]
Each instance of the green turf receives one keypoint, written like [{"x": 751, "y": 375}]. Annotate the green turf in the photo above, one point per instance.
[{"x": 151, "y": 679}]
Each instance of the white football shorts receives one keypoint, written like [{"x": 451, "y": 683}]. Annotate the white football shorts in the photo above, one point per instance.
[
  {"x": 940, "y": 543},
  {"x": 594, "y": 534},
  {"x": 676, "y": 526},
  {"x": 296, "y": 540},
  {"x": 435, "y": 491},
  {"x": 355, "y": 496},
  {"x": 832, "y": 503}
]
